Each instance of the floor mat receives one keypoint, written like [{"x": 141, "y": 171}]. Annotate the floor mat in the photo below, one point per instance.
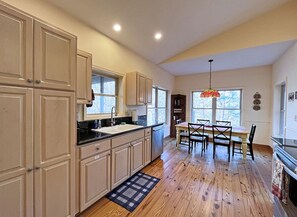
[{"x": 130, "y": 193}]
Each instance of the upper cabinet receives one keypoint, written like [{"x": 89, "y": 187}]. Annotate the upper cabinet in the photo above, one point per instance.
[
  {"x": 54, "y": 57},
  {"x": 138, "y": 89},
  {"x": 52, "y": 50},
  {"x": 16, "y": 47},
  {"x": 84, "y": 77}
]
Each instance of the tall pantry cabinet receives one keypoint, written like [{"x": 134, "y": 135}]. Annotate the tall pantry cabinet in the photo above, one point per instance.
[{"x": 37, "y": 117}]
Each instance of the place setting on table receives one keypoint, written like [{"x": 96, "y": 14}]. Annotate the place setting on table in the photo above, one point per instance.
[{"x": 222, "y": 134}]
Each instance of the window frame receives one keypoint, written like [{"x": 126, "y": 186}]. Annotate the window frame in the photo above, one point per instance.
[
  {"x": 214, "y": 104},
  {"x": 156, "y": 108},
  {"x": 103, "y": 115}
]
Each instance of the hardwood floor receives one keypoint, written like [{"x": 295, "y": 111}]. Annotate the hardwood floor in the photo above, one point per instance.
[{"x": 192, "y": 185}]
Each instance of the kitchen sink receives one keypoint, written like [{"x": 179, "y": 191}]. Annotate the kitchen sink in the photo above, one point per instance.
[{"x": 117, "y": 128}]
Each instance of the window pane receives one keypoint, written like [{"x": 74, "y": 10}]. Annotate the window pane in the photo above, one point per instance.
[
  {"x": 103, "y": 85},
  {"x": 201, "y": 114},
  {"x": 229, "y": 115},
  {"x": 102, "y": 104},
  {"x": 153, "y": 105},
  {"x": 199, "y": 102},
  {"x": 151, "y": 116},
  {"x": 161, "y": 115},
  {"x": 229, "y": 99},
  {"x": 161, "y": 98}
]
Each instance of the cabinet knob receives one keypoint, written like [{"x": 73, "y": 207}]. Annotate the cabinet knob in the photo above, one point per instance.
[
  {"x": 37, "y": 168},
  {"x": 97, "y": 148},
  {"x": 29, "y": 169},
  {"x": 38, "y": 81},
  {"x": 29, "y": 80}
]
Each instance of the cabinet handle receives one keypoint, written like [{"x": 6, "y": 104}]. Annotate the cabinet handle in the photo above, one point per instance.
[
  {"x": 38, "y": 81},
  {"x": 97, "y": 148},
  {"x": 29, "y": 80},
  {"x": 29, "y": 169},
  {"x": 37, "y": 168}
]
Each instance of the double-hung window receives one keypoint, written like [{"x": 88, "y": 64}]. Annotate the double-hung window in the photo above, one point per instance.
[
  {"x": 225, "y": 108},
  {"x": 105, "y": 92},
  {"x": 157, "y": 111}
]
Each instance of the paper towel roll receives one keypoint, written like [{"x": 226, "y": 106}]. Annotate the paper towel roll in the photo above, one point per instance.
[{"x": 134, "y": 116}]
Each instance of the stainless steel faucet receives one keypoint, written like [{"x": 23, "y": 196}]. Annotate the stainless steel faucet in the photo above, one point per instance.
[{"x": 112, "y": 120}]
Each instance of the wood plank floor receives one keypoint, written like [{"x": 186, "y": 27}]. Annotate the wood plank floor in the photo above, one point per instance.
[{"x": 192, "y": 185}]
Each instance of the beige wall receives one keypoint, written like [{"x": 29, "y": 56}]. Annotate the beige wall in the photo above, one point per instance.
[
  {"x": 250, "y": 80},
  {"x": 285, "y": 70},
  {"x": 107, "y": 53}
]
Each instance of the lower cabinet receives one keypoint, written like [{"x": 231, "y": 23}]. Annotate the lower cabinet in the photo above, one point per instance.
[
  {"x": 94, "y": 179},
  {"x": 137, "y": 156}
]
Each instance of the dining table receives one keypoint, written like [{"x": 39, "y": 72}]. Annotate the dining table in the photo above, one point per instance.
[{"x": 238, "y": 131}]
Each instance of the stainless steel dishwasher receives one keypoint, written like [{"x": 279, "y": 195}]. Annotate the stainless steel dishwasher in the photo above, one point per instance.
[{"x": 157, "y": 141}]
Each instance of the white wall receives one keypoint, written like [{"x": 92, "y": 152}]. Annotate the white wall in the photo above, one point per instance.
[
  {"x": 107, "y": 53},
  {"x": 250, "y": 80},
  {"x": 285, "y": 70}
]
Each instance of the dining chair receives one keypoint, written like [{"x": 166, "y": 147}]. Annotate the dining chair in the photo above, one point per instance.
[
  {"x": 222, "y": 136},
  {"x": 223, "y": 123},
  {"x": 205, "y": 122},
  {"x": 238, "y": 141},
  {"x": 196, "y": 134},
  {"x": 183, "y": 134}
]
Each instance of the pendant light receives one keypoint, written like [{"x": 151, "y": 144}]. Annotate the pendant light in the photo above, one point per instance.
[{"x": 210, "y": 92}]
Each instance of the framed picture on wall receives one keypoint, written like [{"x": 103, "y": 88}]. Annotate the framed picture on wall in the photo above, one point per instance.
[{"x": 291, "y": 97}]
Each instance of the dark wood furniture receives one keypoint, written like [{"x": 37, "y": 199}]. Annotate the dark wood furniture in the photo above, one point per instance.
[
  {"x": 178, "y": 111},
  {"x": 222, "y": 136},
  {"x": 237, "y": 141},
  {"x": 196, "y": 134},
  {"x": 205, "y": 122}
]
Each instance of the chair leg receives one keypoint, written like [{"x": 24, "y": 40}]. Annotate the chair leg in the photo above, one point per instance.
[
  {"x": 214, "y": 151},
  {"x": 233, "y": 148},
  {"x": 189, "y": 146},
  {"x": 229, "y": 153},
  {"x": 252, "y": 152}
]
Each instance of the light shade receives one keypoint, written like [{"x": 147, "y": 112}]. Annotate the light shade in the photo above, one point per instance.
[{"x": 210, "y": 93}]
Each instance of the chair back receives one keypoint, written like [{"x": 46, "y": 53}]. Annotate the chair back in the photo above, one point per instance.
[
  {"x": 195, "y": 129},
  {"x": 203, "y": 121},
  {"x": 222, "y": 132},
  {"x": 223, "y": 123},
  {"x": 252, "y": 133}
]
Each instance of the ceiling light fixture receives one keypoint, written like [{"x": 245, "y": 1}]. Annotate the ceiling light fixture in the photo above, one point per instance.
[
  {"x": 210, "y": 92},
  {"x": 117, "y": 27},
  {"x": 158, "y": 36}
]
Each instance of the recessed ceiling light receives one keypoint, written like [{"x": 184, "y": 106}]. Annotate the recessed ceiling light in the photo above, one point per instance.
[
  {"x": 117, "y": 27},
  {"x": 158, "y": 36}
]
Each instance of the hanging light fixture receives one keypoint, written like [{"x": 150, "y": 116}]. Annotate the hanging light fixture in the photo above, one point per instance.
[{"x": 210, "y": 92}]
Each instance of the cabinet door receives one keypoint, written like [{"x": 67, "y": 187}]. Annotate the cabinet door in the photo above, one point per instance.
[
  {"x": 120, "y": 165},
  {"x": 84, "y": 77},
  {"x": 94, "y": 179},
  {"x": 16, "y": 146},
  {"x": 141, "y": 89},
  {"x": 137, "y": 156},
  {"x": 147, "y": 150},
  {"x": 54, "y": 141},
  {"x": 16, "y": 47},
  {"x": 54, "y": 58},
  {"x": 149, "y": 89}
]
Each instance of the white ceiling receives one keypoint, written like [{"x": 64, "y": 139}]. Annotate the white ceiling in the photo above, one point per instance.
[{"x": 184, "y": 23}]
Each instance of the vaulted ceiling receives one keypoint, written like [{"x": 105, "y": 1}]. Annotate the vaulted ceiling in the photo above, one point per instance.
[{"x": 188, "y": 26}]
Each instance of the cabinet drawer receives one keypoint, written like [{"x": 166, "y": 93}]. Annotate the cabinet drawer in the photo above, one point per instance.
[
  {"x": 147, "y": 131},
  {"x": 127, "y": 138},
  {"x": 94, "y": 148}
]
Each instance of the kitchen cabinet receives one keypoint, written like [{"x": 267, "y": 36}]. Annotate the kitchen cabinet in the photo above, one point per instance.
[
  {"x": 54, "y": 57},
  {"x": 16, "y": 47},
  {"x": 95, "y": 167},
  {"x": 16, "y": 155},
  {"x": 24, "y": 40},
  {"x": 84, "y": 77},
  {"x": 138, "y": 89},
  {"x": 37, "y": 131},
  {"x": 147, "y": 146},
  {"x": 137, "y": 156}
]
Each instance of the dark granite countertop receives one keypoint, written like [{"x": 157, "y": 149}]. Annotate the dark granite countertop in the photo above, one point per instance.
[
  {"x": 86, "y": 136},
  {"x": 287, "y": 147},
  {"x": 284, "y": 141}
]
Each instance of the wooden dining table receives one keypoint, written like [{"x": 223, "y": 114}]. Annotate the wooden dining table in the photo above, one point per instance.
[{"x": 236, "y": 131}]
